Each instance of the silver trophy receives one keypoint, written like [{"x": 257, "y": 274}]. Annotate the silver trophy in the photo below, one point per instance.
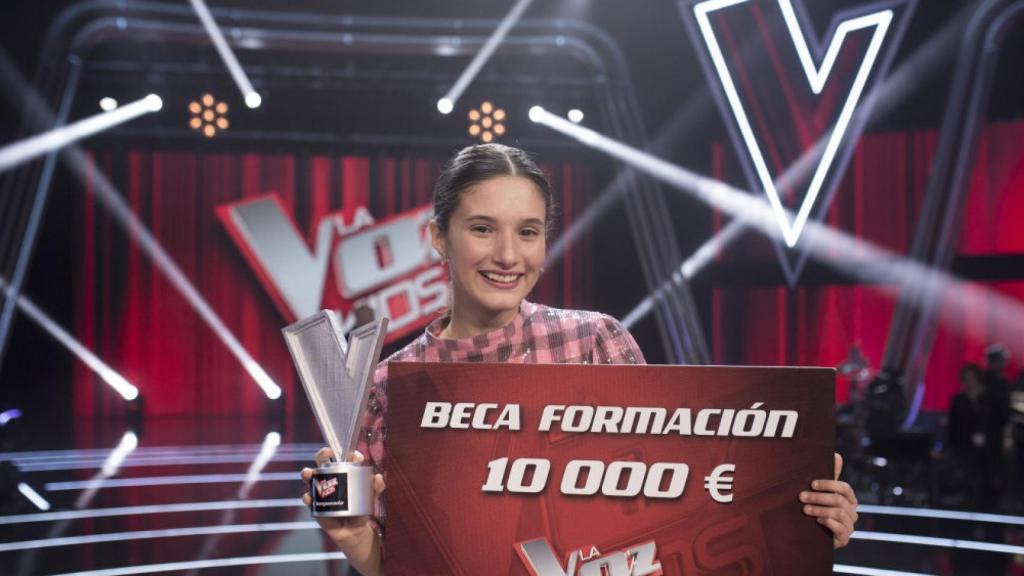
[{"x": 337, "y": 380}]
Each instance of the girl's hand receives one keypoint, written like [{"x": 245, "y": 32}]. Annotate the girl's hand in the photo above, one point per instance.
[
  {"x": 355, "y": 536},
  {"x": 834, "y": 505}
]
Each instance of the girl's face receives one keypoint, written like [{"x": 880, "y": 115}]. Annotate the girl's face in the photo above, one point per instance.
[{"x": 495, "y": 247}]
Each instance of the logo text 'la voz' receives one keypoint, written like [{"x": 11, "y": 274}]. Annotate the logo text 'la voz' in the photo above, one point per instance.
[
  {"x": 636, "y": 560},
  {"x": 353, "y": 262}
]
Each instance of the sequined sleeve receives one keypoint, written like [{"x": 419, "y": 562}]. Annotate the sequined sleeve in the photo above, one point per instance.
[
  {"x": 371, "y": 438},
  {"x": 615, "y": 345}
]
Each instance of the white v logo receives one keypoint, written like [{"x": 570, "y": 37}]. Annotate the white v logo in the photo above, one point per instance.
[{"x": 817, "y": 78}]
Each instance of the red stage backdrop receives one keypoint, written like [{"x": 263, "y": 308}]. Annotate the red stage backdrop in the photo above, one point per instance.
[
  {"x": 128, "y": 312},
  {"x": 878, "y": 200},
  {"x": 134, "y": 318},
  {"x": 548, "y": 470}
]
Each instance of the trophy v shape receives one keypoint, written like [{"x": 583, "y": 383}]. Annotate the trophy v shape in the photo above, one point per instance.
[{"x": 337, "y": 381}]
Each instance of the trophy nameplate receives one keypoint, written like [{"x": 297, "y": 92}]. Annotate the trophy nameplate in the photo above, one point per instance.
[{"x": 337, "y": 379}]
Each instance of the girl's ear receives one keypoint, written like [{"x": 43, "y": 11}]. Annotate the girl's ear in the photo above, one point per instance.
[{"x": 437, "y": 239}]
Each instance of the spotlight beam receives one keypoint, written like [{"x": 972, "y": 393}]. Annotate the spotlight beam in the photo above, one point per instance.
[
  {"x": 108, "y": 374},
  {"x": 894, "y": 90},
  {"x": 858, "y": 258},
  {"x": 33, "y": 496},
  {"x": 252, "y": 98},
  {"x": 624, "y": 181},
  {"x": 20, "y": 152},
  {"x": 107, "y": 193},
  {"x": 80, "y": 164},
  {"x": 447, "y": 103}
]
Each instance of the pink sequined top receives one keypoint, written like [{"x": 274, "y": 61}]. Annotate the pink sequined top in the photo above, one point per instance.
[{"x": 538, "y": 335}]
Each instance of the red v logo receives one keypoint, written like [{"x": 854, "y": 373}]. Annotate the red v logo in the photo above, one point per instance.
[{"x": 795, "y": 106}]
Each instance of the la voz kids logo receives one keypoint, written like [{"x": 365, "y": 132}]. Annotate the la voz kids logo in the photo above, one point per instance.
[
  {"x": 637, "y": 560},
  {"x": 351, "y": 264},
  {"x": 326, "y": 487}
]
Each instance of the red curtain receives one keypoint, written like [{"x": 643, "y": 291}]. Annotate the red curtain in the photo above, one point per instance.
[
  {"x": 133, "y": 317},
  {"x": 878, "y": 200}
]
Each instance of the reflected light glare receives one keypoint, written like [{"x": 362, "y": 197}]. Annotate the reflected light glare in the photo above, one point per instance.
[
  {"x": 33, "y": 496},
  {"x": 859, "y": 258}
]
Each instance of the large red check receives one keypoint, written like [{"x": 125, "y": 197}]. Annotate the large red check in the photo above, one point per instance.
[{"x": 568, "y": 470}]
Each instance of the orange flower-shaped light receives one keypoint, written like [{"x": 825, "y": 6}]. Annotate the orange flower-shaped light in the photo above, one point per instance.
[
  {"x": 208, "y": 116},
  {"x": 486, "y": 122}
]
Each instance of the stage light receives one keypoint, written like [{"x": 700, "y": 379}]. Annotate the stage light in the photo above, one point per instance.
[
  {"x": 24, "y": 150},
  {"x": 170, "y": 480},
  {"x": 575, "y": 115},
  {"x": 447, "y": 104},
  {"x": 205, "y": 506},
  {"x": 33, "y": 496},
  {"x": 253, "y": 100},
  {"x": 129, "y": 442},
  {"x": 87, "y": 172},
  {"x": 87, "y": 539},
  {"x": 209, "y": 115},
  {"x": 155, "y": 102},
  {"x": 909, "y": 512},
  {"x": 938, "y": 542},
  {"x": 868, "y": 262},
  {"x": 107, "y": 103},
  {"x": 867, "y": 571},
  {"x": 8, "y": 415},
  {"x": 108, "y": 374},
  {"x": 484, "y": 122}
]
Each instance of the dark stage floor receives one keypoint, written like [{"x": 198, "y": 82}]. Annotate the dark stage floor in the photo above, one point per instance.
[{"x": 222, "y": 497}]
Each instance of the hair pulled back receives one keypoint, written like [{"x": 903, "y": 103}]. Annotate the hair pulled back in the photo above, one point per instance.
[{"x": 475, "y": 164}]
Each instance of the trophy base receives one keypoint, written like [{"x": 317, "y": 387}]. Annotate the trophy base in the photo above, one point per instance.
[{"x": 342, "y": 489}]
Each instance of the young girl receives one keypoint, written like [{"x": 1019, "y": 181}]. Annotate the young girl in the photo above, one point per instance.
[{"x": 492, "y": 210}]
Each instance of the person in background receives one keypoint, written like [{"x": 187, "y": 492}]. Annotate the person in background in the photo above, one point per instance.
[
  {"x": 968, "y": 438},
  {"x": 997, "y": 396}
]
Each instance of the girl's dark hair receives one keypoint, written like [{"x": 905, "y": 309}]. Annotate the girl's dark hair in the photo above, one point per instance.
[{"x": 475, "y": 164}]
